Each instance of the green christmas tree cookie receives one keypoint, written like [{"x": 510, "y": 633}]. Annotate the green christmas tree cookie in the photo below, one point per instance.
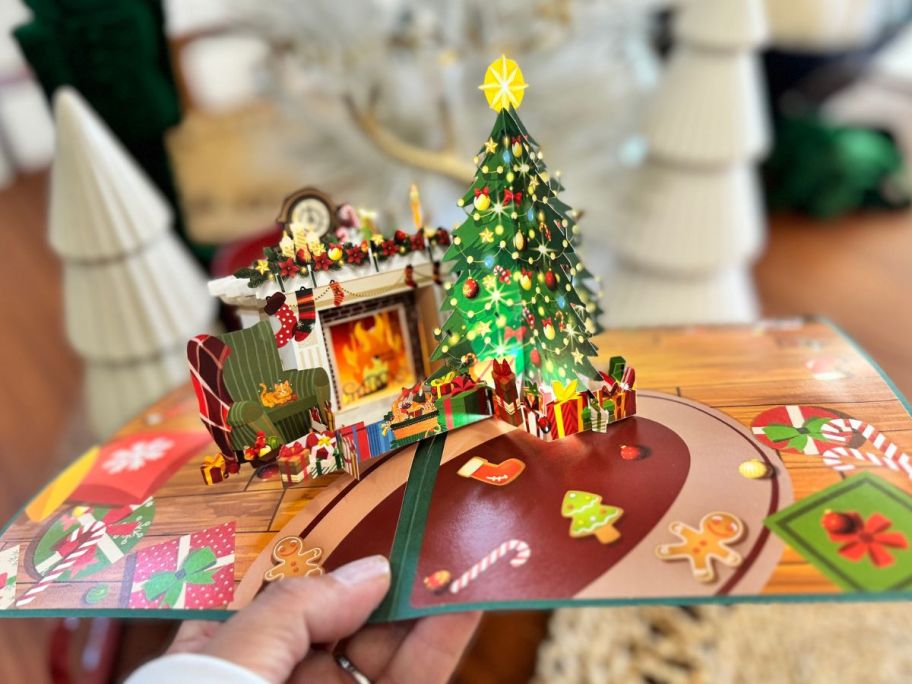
[{"x": 590, "y": 516}]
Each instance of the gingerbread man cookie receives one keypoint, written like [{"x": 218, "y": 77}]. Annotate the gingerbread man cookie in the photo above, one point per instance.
[
  {"x": 704, "y": 545},
  {"x": 293, "y": 560}
]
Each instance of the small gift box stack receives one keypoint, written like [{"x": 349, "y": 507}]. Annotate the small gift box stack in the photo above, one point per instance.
[
  {"x": 506, "y": 397},
  {"x": 613, "y": 395},
  {"x": 325, "y": 456},
  {"x": 465, "y": 402},
  {"x": 414, "y": 415}
]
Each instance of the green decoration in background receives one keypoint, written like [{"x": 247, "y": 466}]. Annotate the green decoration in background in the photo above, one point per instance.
[
  {"x": 519, "y": 286},
  {"x": 827, "y": 170},
  {"x": 115, "y": 53}
]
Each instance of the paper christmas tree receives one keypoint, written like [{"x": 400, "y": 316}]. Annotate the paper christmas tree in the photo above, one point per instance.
[
  {"x": 133, "y": 293},
  {"x": 518, "y": 279},
  {"x": 692, "y": 214}
]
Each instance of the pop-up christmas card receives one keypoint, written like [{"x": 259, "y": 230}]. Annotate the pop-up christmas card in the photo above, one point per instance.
[{"x": 439, "y": 398}]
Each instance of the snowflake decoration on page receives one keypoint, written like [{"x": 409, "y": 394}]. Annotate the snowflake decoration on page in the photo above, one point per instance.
[
  {"x": 503, "y": 84},
  {"x": 137, "y": 455}
]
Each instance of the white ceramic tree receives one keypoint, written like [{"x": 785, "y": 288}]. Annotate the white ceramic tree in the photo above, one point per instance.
[
  {"x": 691, "y": 219},
  {"x": 133, "y": 294}
]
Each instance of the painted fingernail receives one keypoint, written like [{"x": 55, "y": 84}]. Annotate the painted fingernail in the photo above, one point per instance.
[{"x": 363, "y": 570}]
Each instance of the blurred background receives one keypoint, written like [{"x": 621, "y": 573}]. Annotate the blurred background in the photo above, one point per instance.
[{"x": 731, "y": 159}]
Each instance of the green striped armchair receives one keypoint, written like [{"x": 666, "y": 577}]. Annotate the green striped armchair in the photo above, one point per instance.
[{"x": 254, "y": 359}]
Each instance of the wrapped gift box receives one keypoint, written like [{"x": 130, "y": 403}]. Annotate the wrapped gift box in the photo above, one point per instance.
[
  {"x": 597, "y": 418},
  {"x": 535, "y": 423},
  {"x": 379, "y": 438},
  {"x": 195, "y": 571},
  {"x": 465, "y": 405},
  {"x": 292, "y": 462},
  {"x": 357, "y": 436},
  {"x": 442, "y": 385},
  {"x": 506, "y": 396},
  {"x": 214, "y": 469},
  {"x": 345, "y": 439},
  {"x": 565, "y": 413},
  {"x": 325, "y": 455}
]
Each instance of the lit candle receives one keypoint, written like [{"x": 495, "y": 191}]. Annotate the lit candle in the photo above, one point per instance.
[{"x": 415, "y": 201}]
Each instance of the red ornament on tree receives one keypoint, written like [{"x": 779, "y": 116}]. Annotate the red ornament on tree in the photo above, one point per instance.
[
  {"x": 470, "y": 288},
  {"x": 535, "y": 358},
  {"x": 550, "y": 280}
]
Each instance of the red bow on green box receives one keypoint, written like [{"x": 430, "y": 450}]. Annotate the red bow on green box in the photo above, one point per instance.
[
  {"x": 462, "y": 383},
  {"x": 197, "y": 568}
]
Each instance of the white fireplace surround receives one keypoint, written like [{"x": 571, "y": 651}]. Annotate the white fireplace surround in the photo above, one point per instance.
[{"x": 362, "y": 283}]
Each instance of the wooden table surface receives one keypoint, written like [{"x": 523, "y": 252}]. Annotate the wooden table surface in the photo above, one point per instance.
[{"x": 856, "y": 271}]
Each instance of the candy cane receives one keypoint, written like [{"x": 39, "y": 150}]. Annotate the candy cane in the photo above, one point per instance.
[
  {"x": 522, "y": 555},
  {"x": 96, "y": 532},
  {"x": 892, "y": 457}
]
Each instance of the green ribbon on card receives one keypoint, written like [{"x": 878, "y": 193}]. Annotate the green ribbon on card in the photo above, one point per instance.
[
  {"x": 196, "y": 569},
  {"x": 797, "y": 437}
]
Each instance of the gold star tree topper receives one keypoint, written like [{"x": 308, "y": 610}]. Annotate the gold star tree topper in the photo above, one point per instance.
[{"x": 503, "y": 84}]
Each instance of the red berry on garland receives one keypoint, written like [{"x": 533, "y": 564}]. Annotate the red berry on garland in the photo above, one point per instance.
[
  {"x": 400, "y": 236},
  {"x": 535, "y": 358},
  {"x": 470, "y": 288},
  {"x": 551, "y": 280},
  {"x": 839, "y": 523}
]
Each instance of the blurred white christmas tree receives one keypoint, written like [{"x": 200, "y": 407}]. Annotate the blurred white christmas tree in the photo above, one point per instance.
[
  {"x": 133, "y": 295},
  {"x": 692, "y": 220}
]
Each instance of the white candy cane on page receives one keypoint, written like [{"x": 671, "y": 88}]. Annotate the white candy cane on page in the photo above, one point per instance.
[
  {"x": 521, "y": 556},
  {"x": 95, "y": 531},
  {"x": 891, "y": 457}
]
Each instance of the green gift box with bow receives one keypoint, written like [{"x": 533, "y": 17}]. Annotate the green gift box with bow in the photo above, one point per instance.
[
  {"x": 193, "y": 571},
  {"x": 168, "y": 586}
]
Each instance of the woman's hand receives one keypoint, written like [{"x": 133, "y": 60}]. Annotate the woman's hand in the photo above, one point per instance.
[{"x": 275, "y": 636}]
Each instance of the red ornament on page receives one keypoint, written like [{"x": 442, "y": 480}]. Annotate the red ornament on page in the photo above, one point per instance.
[
  {"x": 840, "y": 523},
  {"x": 632, "y": 452}
]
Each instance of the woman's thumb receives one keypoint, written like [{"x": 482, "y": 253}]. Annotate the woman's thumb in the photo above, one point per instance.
[{"x": 275, "y": 632}]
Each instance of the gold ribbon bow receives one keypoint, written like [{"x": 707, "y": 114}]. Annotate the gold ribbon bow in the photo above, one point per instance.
[
  {"x": 214, "y": 461},
  {"x": 564, "y": 392},
  {"x": 443, "y": 380}
]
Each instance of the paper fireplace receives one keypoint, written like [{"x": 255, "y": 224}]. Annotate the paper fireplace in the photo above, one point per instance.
[{"x": 374, "y": 324}]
